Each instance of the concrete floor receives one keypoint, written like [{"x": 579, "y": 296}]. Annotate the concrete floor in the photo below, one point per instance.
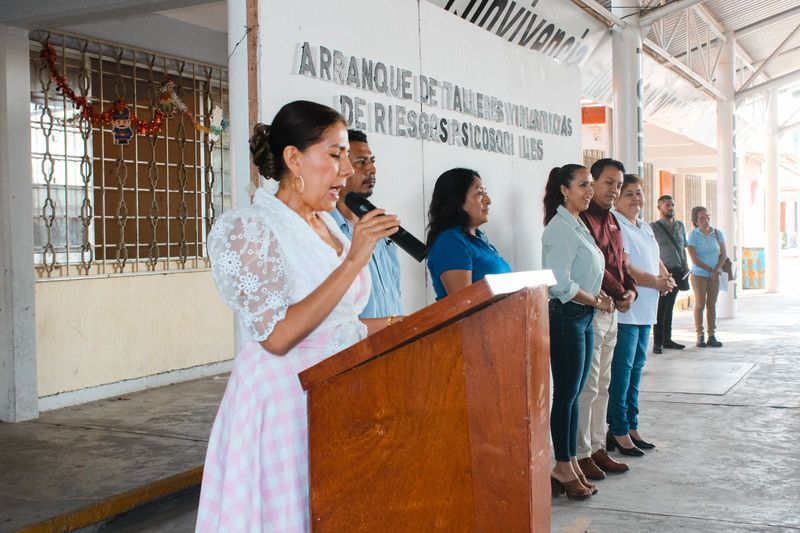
[
  {"x": 725, "y": 421},
  {"x": 78, "y": 456},
  {"x": 726, "y": 459}
]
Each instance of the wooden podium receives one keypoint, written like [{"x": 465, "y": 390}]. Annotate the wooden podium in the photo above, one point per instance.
[{"x": 439, "y": 422}]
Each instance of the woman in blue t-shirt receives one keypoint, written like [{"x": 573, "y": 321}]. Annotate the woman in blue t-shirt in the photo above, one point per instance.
[
  {"x": 459, "y": 254},
  {"x": 706, "y": 246}
]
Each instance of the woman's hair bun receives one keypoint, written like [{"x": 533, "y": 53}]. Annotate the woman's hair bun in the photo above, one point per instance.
[
  {"x": 261, "y": 150},
  {"x": 299, "y": 124}
]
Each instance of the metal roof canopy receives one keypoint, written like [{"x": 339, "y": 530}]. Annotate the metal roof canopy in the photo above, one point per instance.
[{"x": 687, "y": 36}]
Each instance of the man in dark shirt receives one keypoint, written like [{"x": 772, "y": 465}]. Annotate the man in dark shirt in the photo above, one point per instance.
[
  {"x": 671, "y": 237},
  {"x": 620, "y": 285}
]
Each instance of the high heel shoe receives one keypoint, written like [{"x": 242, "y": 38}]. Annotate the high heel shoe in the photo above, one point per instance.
[
  {"x": 643, "y": 444},
  {"x": 611, "y": 443},
  {"x": 574, "y": 489},
  {"x": 591, "y": 486}
]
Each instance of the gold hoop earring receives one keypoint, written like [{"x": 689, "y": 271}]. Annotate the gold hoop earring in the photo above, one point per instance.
[{"x": 302, "y": 184}]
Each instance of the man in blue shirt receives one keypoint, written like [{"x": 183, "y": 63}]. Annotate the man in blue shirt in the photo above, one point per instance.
[{"x": 384, "y": 267}]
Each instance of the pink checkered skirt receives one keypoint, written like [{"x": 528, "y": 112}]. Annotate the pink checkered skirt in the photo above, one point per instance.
[{"x": 256, "y": 470}]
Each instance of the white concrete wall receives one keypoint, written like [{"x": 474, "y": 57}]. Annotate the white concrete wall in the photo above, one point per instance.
[
  {"x": 93, "y": 332},
  {"x": 597, "y": 137},
  {"x": 427, "y": 40}
]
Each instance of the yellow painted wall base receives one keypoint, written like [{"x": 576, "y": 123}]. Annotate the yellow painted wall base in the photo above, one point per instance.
[{"x": 92, "y": 332}]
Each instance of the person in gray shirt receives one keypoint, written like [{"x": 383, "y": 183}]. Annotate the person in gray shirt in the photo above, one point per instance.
[{"x": 671, "y": 237}]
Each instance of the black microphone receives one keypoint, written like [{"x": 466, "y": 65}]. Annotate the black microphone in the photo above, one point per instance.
[{"x": 410, "y": 244}]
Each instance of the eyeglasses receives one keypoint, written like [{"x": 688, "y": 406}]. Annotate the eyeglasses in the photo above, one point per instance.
[{"x": 361, "y": 161}]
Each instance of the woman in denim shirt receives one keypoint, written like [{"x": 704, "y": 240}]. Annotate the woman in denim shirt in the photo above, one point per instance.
[{"x": 569, "y": 250}]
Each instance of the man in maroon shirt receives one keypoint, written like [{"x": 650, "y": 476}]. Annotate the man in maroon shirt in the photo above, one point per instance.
[{"x": 620, "y": 285}]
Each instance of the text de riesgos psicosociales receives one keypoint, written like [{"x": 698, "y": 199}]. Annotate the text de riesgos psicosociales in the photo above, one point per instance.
[{"x": 401, "y": 120}]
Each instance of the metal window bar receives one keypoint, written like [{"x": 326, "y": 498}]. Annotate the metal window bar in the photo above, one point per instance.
[
  {"x": 692, "y": 196},
  {"x": 711, "y": 198},
  {"x": 103, "y": 209},
  {"x": 651, "y": 185}
]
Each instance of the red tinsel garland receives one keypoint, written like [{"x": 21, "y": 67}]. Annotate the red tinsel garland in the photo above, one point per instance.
[{"x": 104, "y": 118}]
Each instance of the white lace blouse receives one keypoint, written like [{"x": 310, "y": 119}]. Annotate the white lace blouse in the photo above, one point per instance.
[{"x": 265, "y": 257}]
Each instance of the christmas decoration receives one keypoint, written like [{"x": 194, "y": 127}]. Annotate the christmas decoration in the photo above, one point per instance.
[
  {"x": 119, "y": 113},
  {"x": 218, "y": 124},
  {"x": 121, "y": 120}
]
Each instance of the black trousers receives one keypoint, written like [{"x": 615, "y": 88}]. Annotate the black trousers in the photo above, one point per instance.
[{"x": 662, "y": 331}]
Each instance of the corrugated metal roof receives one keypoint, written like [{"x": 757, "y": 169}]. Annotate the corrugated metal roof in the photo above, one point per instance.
[{"x": 735, "y": 15}]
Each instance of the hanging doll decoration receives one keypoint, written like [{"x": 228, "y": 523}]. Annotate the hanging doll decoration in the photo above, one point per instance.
[
  {"x": 121, "y": 121},
  {"x": 168, "y": 100}
]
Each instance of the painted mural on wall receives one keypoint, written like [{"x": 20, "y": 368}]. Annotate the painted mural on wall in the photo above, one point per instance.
[{"x": 753, "y": 268}]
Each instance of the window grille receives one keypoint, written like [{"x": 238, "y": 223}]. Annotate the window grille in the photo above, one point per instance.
[
  {"x": 711, "y": 198},
  {"x": 107, "y": 209},
  {"x": 590, "y": 156},
  {"x": 651, "y": 185},
  {"x": 692, "y": 197}
]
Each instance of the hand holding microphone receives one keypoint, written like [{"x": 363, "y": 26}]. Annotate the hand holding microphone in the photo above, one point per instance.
[
  {"x": 373, "y": 227},
  {"x": 360, "y": 206}
]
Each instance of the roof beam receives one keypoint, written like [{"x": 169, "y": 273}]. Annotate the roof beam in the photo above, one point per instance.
[
  {"x": 774, "y": 82},
  {"x": 666, "y": 10},
  {"x": 709, "y": 18},
  {"x": 766, "y": 63},
  {"x": 788, "y": 127},
  {"x": 790, "y": 117},
  {"x": 764, "y": 23},
  {"x": 782, "y": 54},
  {"x": 718, "y": 27},
  {"x": 687, "y": 72},
  {"x": 599, "y": 9}
]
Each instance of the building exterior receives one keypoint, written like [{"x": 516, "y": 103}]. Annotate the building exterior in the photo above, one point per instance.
[{"x": 106, "y": 280}]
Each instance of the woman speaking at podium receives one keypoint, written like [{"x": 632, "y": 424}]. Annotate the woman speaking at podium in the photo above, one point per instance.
[
  {"x": 296, "y": 285},
  {"x": 569, "y": 250},
  {"x": 459, "y": 254}
]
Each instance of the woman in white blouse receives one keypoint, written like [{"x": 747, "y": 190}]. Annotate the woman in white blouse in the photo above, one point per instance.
[
  {"x": 297, "y": 286},
  {"x": 633, "y": 334},
  {"x": 569, "y": 250}
]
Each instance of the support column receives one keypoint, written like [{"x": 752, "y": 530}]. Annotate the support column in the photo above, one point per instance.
[
  {"x": 19, "y": 398},
  {"x": 238, "y": 76},
  {"x": 772, "y": 198},
  {"x": 238, "y": 106},
  {"x": 725, "y": 217},
  {"x": 628, "y": 122}
]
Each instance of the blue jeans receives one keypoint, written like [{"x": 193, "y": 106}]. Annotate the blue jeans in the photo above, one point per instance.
[
  {"x": 571, "y": 349},
  {"x": 630, "y": 355}
]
